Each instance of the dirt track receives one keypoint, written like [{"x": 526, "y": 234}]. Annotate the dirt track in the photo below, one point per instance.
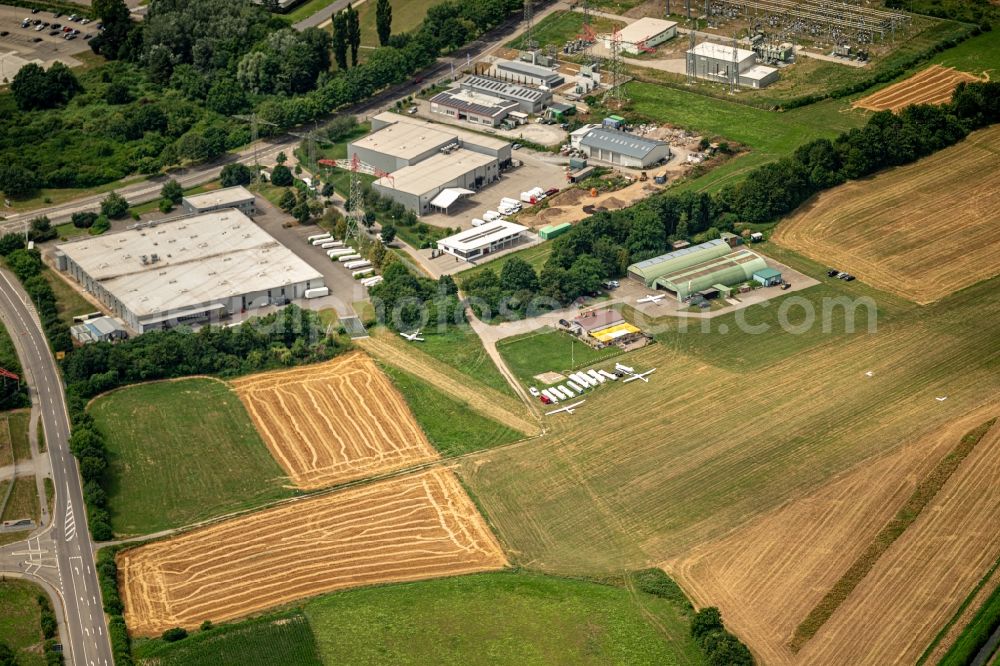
[
  {"x": 483, "y": 400},
  {"x": 768, "y": 576},
  {"x": 921, "y": 231},
  {"x": 334, "y": 422},
  {"x": 414, "y": 527},
  {"x": 934, "y": 85}
]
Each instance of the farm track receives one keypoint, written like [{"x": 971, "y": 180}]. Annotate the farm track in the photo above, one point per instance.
[
  {"x": 920, "y": 582},
  {"x": 934, "y": 85},
  {"x": 334, "y": 422},
  {"x": 414, "y": 527},
  {"x": 486, "y": 401},
  {"x": 766, "y": 577},
  {"x": 921, "y": 231}
]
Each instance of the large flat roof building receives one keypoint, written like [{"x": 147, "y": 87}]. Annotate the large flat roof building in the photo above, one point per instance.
[
  {"x": 472, "y": 106},
  {"x": 524, "y": 72},
  {"x": 643, "y": 33},
  {"x": 237, "y": 197},
  {"x": 729, "y": 269},
  {"x": 718, "y": 62},
  {"x": 529, "y": 100},
  {"x": 187, "y": 270},
  {"x": 425, "y": 158},
  {"x": 622, "y": 148},
  {"x": 480, "y": 241}
]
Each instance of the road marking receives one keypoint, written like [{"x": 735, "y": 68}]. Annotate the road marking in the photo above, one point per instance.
[{"x": 69, "y": 526}]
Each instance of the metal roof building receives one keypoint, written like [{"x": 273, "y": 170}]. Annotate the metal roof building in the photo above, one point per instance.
[
  {"x": 628, "y": 150},
  {"x": 529, "y": 100},
  {"x": 525, "y": 72},
  {"x": 471, "y": 106},
  {"x": 647, "y": 271},
  {"x": 237, "y": 197},
  {"x": 645, "y": 32},
  {"x": 732, "y": 268},
  {"x": 715, "y": 62},
  {"x": 416, "y": 186},
  {"x": 98, "y": 329},
  {"x": 187, "y": 270}
]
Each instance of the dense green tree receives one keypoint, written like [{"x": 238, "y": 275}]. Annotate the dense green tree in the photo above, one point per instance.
[
  {"x": 383, "y": 21},
  {"x": 117, "y": 93},
  {"x": 175, "y": 634},
  {"x": 236, "y": 174},
  {"x": 226, "y": 97},
  {"x": 17, "y": 181},
  {"x": 518, "y": 275},
  {"x": 301, "y": 211},
  {"x": 282, "y": 176},
  {"x": 339, "y": 41},
  {"x": 36, "y": 88},
  {"x": 706, "y": 620},
  {"x": 388, "y": 233},
  {"x": 41, "y": 229},
  {"x": 10, "y": 242},
  {"x": 287, "y": 201},
  {"x": 7, "y": 656},
  {"x": 114, "y": 206},
  {"x": 172, "y": 190},
  {"x": 353, "y": 33}
]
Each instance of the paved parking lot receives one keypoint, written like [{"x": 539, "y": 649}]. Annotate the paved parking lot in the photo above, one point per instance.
[{"x": 49, "y": 48}]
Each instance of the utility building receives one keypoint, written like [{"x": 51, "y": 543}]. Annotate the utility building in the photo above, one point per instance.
[
  {"x": 624, "y": 149},
  {"x": 718, "y": 62},
  {"x": 187, "y": 270},
  {"x": 237, "y": 197},
  {"x": 529, "y": 100},
  {"x": 643, "y": 34},
  {"x": 473, "y": 107},
  {"x": 524, "y": 72}
]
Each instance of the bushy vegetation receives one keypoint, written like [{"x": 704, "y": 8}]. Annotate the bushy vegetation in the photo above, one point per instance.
[
  {"x": 604, "y": 244},
  {"x": 404, "y": 301},
  {"x": 107, "y": 576},
  {"x": 12, "y": 394},
  {"x": 27, "y": 266},
  {"x": 721, "y": 647}
]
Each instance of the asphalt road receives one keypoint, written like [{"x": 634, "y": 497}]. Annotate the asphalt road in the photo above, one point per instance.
[{"x": 61, "y": 556}]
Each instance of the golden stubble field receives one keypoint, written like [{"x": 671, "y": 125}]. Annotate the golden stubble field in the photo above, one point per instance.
[
  {"x": 334, "y": 422},
  {"x": 768, "y": 576},
  {"x": 922, "y": 231},
  {"x": 408, "y": 528},
  {"x": 934, "y": 85}
]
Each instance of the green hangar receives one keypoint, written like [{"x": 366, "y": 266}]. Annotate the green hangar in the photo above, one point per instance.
[{"x": 684, "y": 273}]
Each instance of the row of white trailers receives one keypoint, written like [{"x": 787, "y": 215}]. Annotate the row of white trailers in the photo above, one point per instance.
[
  {"x": 361, "y": 268},
  {"x": 576, "y": 384}
]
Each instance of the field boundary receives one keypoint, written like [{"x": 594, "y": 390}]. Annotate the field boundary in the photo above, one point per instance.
[
  {"x": 924, "y": 493},
  {"x": 936, "y": 643}
]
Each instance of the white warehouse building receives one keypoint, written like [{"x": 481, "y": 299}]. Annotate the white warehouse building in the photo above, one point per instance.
[
  {"x": 482, "y": 240},
  {"x": 623, "y": 149},
  {"x": 237, "y": 197},
  {"x": 187, "y": 270},
  {"x": 716, "y": 62},
  {"x": 644, "y": 33}
]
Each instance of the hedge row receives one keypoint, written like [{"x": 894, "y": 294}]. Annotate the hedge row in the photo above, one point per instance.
[
  {"x": 107, "y": 575},
  {"x": 49, "y": 628},
  {"x": 27, "y": 266}
]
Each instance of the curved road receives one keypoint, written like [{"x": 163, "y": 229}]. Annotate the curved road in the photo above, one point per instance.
[{"x": 60, "y": 557}]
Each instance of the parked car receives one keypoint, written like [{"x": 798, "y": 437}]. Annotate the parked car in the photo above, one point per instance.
[
  {"x": 56, "y": 14},
  {"x": 785, "y": 285},
  {"x": 84, "y": 21},
  {"x": 516, "y": 146},
  {"x": 552, "y": 190},
  {"x": 37, "y": 39},
  {"x": 533, "y": 391},
  {"x": 53, "y": 33},
  {"x": 412, "y": 110},
  {"x": 35, "y": 10},
  {"x": 39, "y": 27},
  {"x": 545, "y": 400},
  {"x": 848, "y": 277},
  {"x": 87, "y": 36},
  {"x": 56, "y": 26},
  {"x": 4, "y": 33},
  {"x": 832, "y": 272},
  {"x": 70, "y": 36}
]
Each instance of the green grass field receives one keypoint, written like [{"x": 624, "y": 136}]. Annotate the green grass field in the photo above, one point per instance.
[
  {"x": 976, "y": 56},
  {"x": 975, "y": 634},
  {"x": 460, "y": 347},
  {"x": 406, "y": 15},
  {"x": 284, "y": 639},
  {"x": 502, "y": 618},
  {"x": 548, "y": 350},
  {"x": 559, "y": 27},
  {"x": 181, "y": 452},
  {"x": 23, "y": 502},
  {"x": 20, "y": 618},
  {"x": 450, "y": 425},
  {"x": 18, "y": 424},
  {"x": 69, "y": 302}
]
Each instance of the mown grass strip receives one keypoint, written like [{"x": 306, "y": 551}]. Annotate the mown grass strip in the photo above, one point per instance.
[
  {"x": 921, "y": 497},
  {"x": 976, "y": 634}
]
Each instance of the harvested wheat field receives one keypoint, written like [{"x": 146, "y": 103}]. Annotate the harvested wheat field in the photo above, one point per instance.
[
  {"x": 768, "y": 576},
  {"x": 414, "y": 527},
  {"x": 334, "y": 422},
  {"x": 934, "y": 85},
  {"x": 921, "y": 581},
  {"x": 921, "y": 231}
]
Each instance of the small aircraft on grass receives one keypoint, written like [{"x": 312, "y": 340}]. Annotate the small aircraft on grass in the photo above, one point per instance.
[
  {"x": 568, "y": 408},
  {"x": 413, "y": 337},
  {"x": 639, "y": 375},
  {"x": 652, "y": 298}
]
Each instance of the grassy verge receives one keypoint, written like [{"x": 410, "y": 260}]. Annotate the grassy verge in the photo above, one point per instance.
[
  {"x": 23, "y": 502},
  {"x": 460, "y": 348},
  {"x": 976, "y": 634},
  {"x": 180, "y": 452},
  {"x": 18, "y": 424},
  {"x": 406, "y": 15},
  {"x": 548, "y": 350},
  {"x": 500, "y": 618},
  {"x": 921, "y": 497},
  {"x": 20, "y": 618},
  {"x": 281, "y": 638},
  {"x": 451, "y": 426},
  {"x": 50, "y": 493},
  {"x": 958, "y": 613},
  {"x": 69, "y": 302}
]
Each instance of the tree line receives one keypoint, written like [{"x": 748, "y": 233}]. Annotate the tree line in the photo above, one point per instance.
[
  {"x": 606, "y": 243},
  {"x": 27, "y": 266}
]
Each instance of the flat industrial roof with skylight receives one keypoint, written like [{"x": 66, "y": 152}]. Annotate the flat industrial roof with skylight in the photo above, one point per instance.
[
  {"x": 482, "y": 240},
  {"x": 187, "y": 270}
]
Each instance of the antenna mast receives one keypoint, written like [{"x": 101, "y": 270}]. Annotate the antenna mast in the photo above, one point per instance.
[{"x": 355, "y": 201}]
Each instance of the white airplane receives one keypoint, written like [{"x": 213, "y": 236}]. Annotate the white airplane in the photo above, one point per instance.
[
  {"x": 640, "y": 375},
  {"x": 652, "y": 298},
  {"x": 624, "y": 368},
  {"x": 568, "y": 408},
  {"x": 413, "y": 337},
  {"x": 941, "y": 399}
]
